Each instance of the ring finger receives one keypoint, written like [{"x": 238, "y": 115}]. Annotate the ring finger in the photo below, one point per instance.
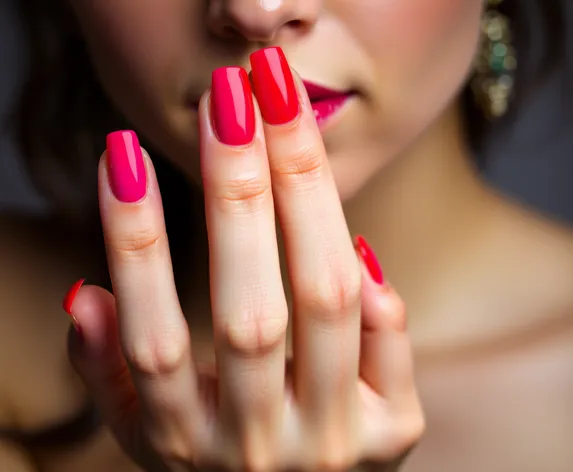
[{"x": 322, "y": 264}]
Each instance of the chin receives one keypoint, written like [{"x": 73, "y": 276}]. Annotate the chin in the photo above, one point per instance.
[{"x": 352, "y": 172}]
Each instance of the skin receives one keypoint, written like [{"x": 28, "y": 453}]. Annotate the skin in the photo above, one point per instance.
[
  {"x": 493, "y": 365},
  {"x": 403, "y": 87}
]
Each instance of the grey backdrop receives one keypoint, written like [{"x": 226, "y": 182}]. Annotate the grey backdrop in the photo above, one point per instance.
[{"x": 534, "y": 163}]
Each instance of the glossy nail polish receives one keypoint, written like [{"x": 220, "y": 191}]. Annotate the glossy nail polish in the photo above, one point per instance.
[
  {"x": 232, "y": 108},
  {"x": 69, "y": 301},
  {"x": 370, "y": 260},
  {"x": 274, "y": 86},
  {"x": 125, "y": 166}
]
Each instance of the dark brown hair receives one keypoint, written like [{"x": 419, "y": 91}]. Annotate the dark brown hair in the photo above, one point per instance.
[{"x": 62, "y": 114}]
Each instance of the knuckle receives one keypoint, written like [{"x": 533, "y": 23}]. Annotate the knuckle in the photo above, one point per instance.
[
  {"x": 335, "y": 459},
  {"x": 257, "y": 335},
  {"x": 260, "y": 460},
  {"x": 409, "y": 432},
  {"x": 140, "y": 243},
  {"x": 332, "y": 298},
  {"x": 243, "y": 195},
  {"x": 160, "y": 355},
  {"x": 173, "y": 450},
  {"x": 305, "y": 164}
]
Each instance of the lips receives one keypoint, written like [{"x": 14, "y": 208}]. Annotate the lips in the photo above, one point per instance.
[{"x": 325, "y": 101}]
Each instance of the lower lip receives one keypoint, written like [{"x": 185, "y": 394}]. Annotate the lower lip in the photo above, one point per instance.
[{"x": 325, "y": 109}]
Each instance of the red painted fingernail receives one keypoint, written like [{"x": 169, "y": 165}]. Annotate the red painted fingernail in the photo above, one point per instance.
[
  {"x": 274, "y": 86},
  {"x": 125, "y": 166},
  {"x": 69, "y": 300},
  {"x": 232, "y": 106},
  {"x": 370, "y": 260}
]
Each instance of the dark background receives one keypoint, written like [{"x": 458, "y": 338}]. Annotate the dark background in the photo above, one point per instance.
[{"x": 533, "y": 162}]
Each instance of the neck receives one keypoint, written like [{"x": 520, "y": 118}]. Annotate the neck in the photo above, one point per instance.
[{"x": 422, "y": 208}]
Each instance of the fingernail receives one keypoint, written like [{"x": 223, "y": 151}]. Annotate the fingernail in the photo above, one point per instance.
[
  {"x": 232, "y": 106},
  {"x": 274, "y": 86},
  {"x": 69, "y": 301},
  {"x": 370, "y": 260},
  {"x": 125, "y": 166}
]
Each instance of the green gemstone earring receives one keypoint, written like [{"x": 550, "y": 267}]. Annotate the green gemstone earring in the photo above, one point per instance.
[{"x": 495, "y": 63}]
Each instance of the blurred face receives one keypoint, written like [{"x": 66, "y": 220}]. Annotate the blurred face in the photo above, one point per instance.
[{"x": 379, "y": 72}]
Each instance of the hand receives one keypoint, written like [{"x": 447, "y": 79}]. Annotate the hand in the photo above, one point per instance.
[{"x": 350, "y": 394}]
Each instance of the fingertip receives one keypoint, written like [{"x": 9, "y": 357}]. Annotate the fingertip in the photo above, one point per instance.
[
  {"x": 75, "y": 341},
  {"x": 204, "y": 104},
  {"x": 382, "y": 306},
  {"x": 393, "y": 309},
  {"x": 86, "y": 305},
  {"x": 71, "y": 295},
  {"x": 275, "y": 87},
  {"x": 301, "y": 89},
  {"x": 126, "y": 172},
  {"x": 369, "y": 260},
  {"x": 205, "y": 119},
  {"x": 92, "y": 302},
  {"x": 127, "y": 192}
]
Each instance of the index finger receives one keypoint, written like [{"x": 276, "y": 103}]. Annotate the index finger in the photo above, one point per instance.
[{"x": 153, "y": 332}]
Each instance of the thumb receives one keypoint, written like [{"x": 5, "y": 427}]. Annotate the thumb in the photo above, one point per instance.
[{"x": 95, "y": 353}]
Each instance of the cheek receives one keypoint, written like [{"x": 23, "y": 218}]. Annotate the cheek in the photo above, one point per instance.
[
  {"x": 414, "y": 25},
  {"x": 420, "y": 50},
  {"x": 408, "y": 30},
  {"x": 139, "y": 50}
]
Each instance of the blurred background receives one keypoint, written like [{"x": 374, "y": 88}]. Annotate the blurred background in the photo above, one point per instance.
[{"x": 533, "y": 163}]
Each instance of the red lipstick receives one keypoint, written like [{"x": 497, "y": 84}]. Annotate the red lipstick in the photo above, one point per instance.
[{"x": 325, "y": 101}]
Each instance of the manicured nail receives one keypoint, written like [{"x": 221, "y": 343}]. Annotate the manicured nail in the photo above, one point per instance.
[
  {"x": 370, "y": 260},
  {"x": 274, "y": 86},
  {"x": 125, "y": 166},
  {"x": 69, "y": 301},
  {"x": 232, "y": 106}
]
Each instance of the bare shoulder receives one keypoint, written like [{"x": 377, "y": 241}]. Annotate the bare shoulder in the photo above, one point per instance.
[{"x": 40, "y": 260}]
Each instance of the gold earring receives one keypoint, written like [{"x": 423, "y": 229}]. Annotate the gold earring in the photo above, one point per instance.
[{"x": 496, "y": 62}]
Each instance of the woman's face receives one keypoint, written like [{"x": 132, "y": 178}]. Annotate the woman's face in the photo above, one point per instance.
[{"x": 391, "y": 67}]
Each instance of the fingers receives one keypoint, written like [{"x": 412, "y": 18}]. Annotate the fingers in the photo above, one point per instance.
[
  {"x": 322, "y": 264},
  {"x": 248, "y": 303},
  {"x": 153, "y": 332},
  {"x": 386, "y": 362}
]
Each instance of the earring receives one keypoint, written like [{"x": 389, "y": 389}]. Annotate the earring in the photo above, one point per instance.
[{"x": 495, "y": 64}]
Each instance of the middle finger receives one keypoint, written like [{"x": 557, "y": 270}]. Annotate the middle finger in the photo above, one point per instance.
[{"x": 322, "y": 264}]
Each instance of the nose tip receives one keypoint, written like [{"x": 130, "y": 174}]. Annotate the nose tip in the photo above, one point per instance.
[{"x": 260, "y": 20}]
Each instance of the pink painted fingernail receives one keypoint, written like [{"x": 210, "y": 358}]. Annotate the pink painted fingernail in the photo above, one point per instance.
[
  {"x": 274, "y": 86},
  {"x": 69, "y": 301},
  {"x": 125, "y": 166},
  {"x": 370, "y": 260},
  {"x": 232, "y": 106}
]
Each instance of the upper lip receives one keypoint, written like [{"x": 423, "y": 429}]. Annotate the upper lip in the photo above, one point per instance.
[
  {"x": 320, "y": 92},
  {"x": 316, "y": 92}
]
